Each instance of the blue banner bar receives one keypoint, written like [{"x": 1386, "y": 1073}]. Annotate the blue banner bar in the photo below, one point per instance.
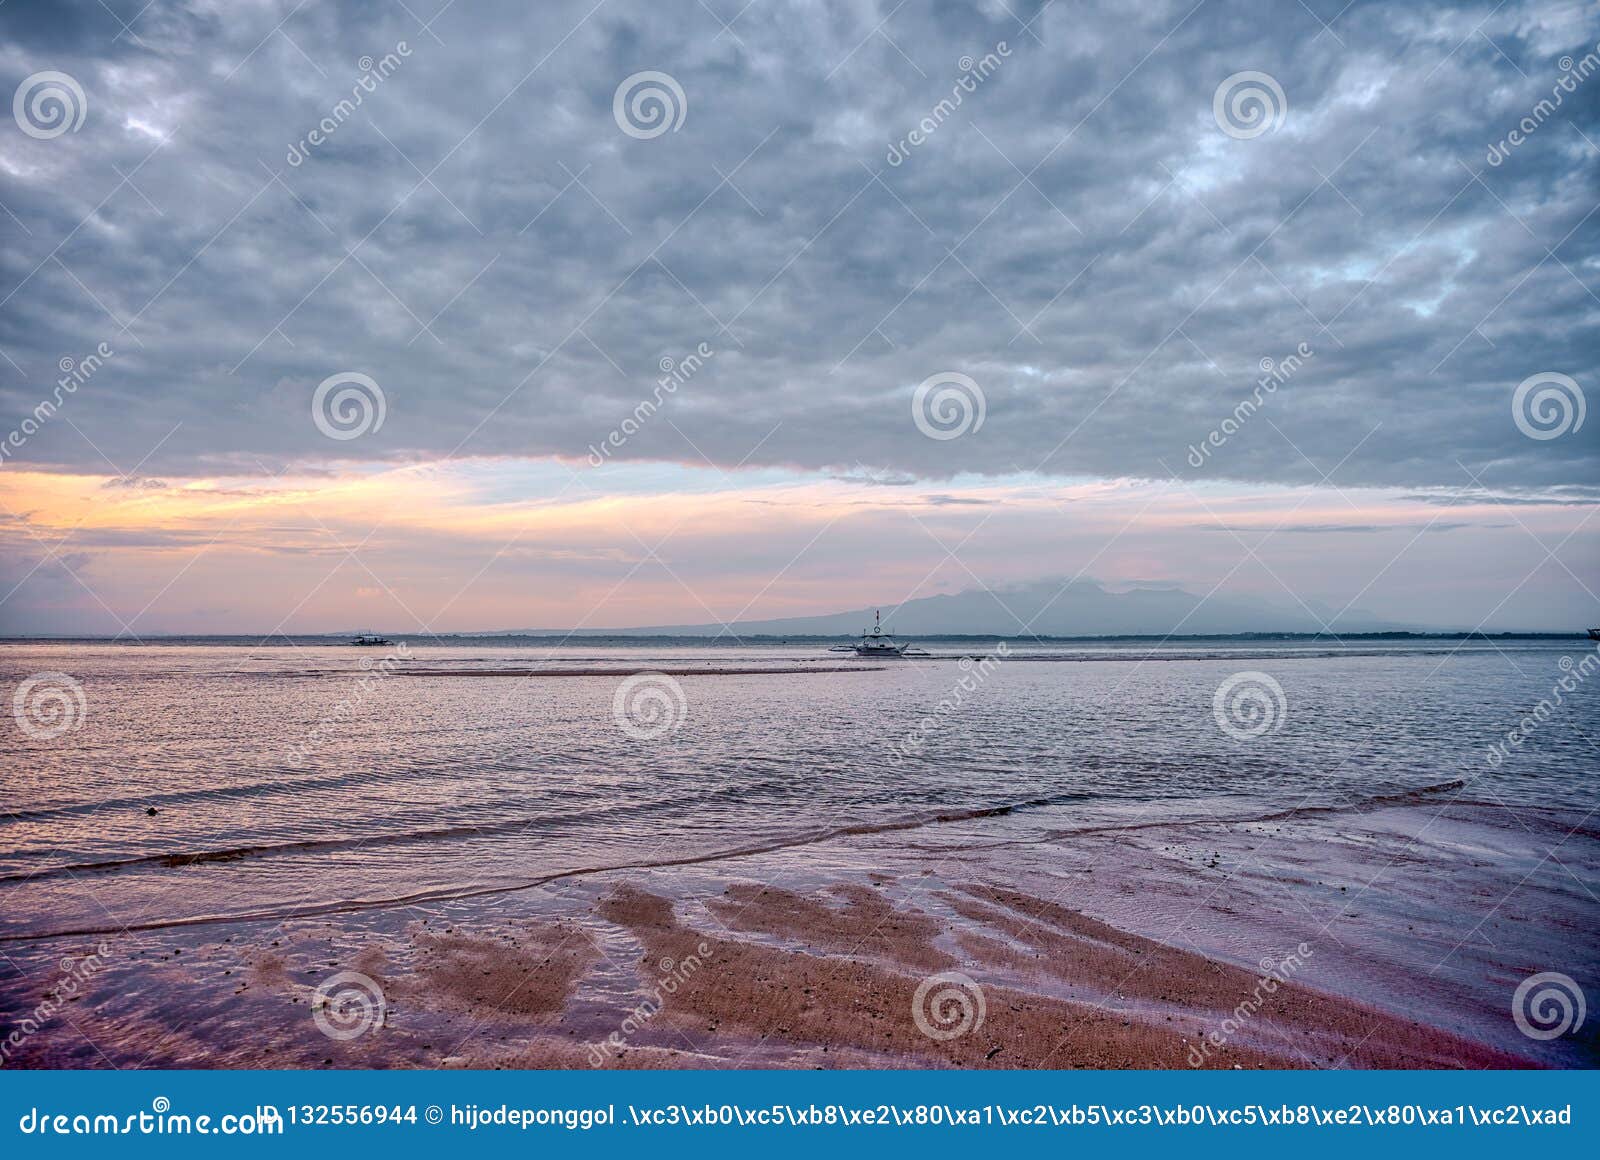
[{"x": 652, "y": 1114}]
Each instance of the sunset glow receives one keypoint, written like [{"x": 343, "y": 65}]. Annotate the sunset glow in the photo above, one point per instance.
[{"x": 491, "y": 545}]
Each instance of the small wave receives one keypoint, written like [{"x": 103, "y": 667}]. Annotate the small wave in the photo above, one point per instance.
[
  {"x": 178, "y": 859},
  {"x": 173, "y": 860},
  {"x": 454, "y": 894},
  {"x": 182, "y": 858},
  {"x": 1402, "y": 797},
  {"x": 249, "y": 790},
  {"x": 814, "y": 837}
]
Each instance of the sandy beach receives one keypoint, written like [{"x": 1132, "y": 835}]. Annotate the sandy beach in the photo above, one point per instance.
[{"x": 801, "y": 958}]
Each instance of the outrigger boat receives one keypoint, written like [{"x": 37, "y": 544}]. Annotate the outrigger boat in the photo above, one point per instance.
[
  {"x": 369, "y": 639},
  {"x": 1594, "y": 634},
  {"x": 879, "y": 643}
]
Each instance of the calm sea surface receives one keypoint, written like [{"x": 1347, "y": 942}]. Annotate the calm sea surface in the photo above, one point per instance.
[{"x": 293, "y": 779}]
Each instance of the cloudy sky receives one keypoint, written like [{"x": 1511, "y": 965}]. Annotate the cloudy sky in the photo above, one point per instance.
[{"x": 357, "y": 314}]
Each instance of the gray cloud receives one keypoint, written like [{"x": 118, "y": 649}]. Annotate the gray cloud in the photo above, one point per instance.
[
  {"x": 1347, "y": 529},
  {"x": 1079, "y": 237}
]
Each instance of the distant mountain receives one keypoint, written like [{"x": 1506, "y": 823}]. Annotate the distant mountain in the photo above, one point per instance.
[{"x": 1044, "y": 608}]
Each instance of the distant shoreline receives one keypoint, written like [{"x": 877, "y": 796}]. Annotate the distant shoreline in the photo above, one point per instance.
[{"x": 281, "y": 640}]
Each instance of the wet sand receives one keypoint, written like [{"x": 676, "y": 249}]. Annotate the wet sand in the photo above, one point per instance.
[
  {"x": 669, "y": 671},
  {"x": 715, "y": 966}
]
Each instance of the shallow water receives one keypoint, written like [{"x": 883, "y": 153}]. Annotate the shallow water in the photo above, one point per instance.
[{"x": 272, "y": 800}]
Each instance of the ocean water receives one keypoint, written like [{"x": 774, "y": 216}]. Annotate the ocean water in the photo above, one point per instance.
[{"x": 308, "y": 778}]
